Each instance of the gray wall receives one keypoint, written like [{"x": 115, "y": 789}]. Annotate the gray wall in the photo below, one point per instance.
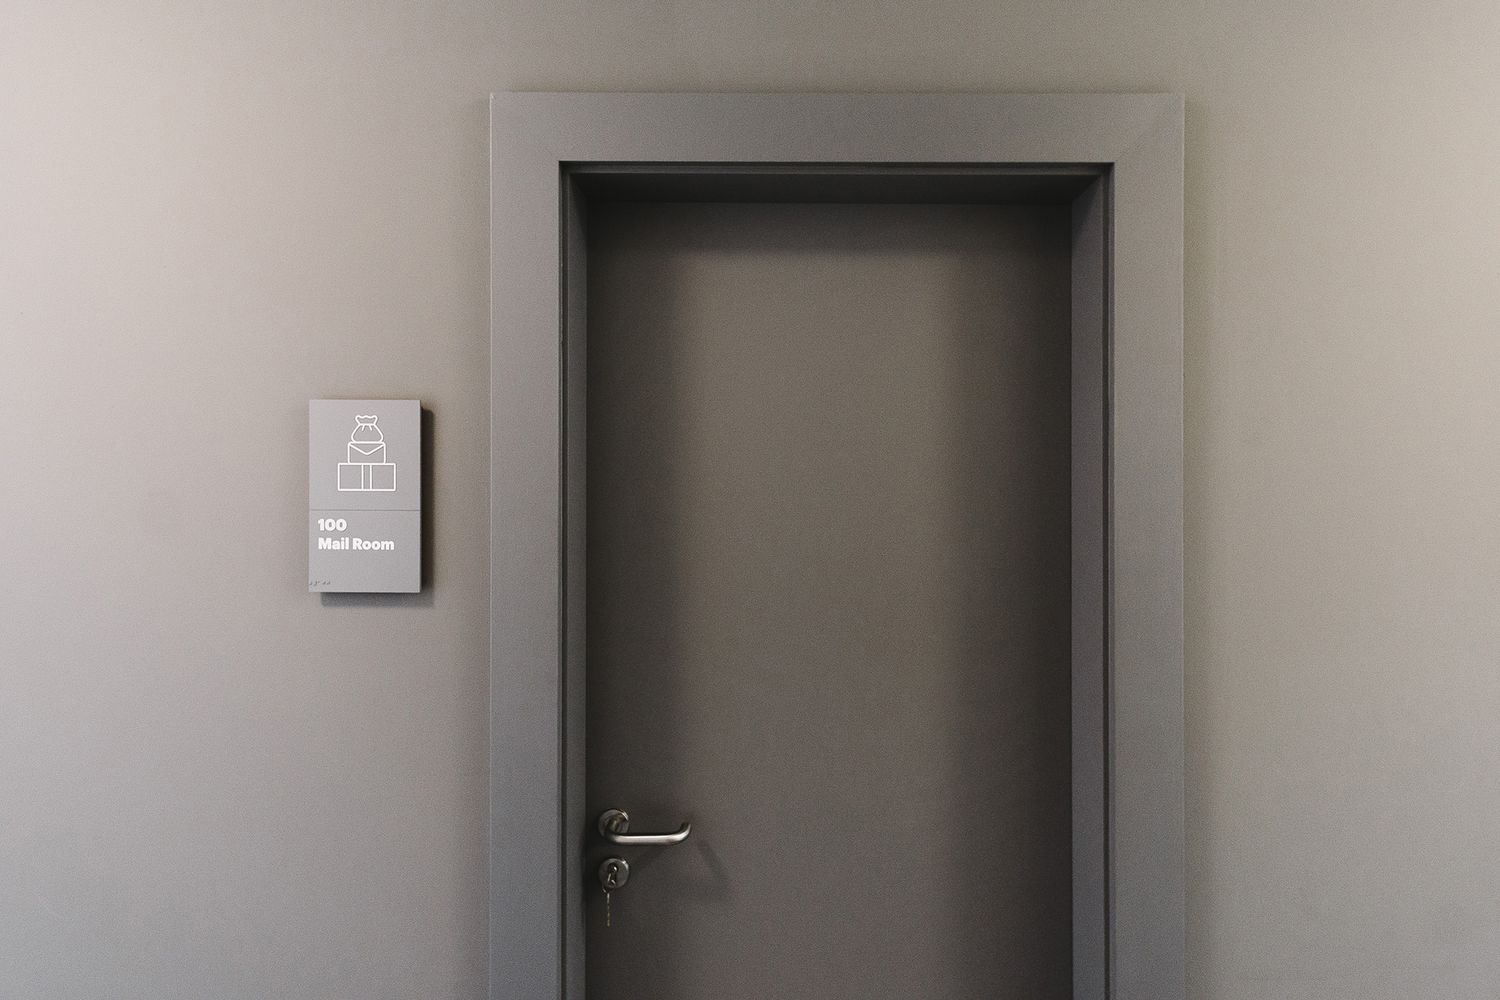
[{"x": 212, "y": 783}]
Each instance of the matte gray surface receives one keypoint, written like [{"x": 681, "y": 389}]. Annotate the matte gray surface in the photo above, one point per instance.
[
  {"x": 1145, "y": 566},
  {"x": 828, "y": 599},
  {"x": 533, "y": 135},
  {"x": 373, "y": 486},
  {"x": 1089, "y": 606},
  {"x": 575, "y": 591}
]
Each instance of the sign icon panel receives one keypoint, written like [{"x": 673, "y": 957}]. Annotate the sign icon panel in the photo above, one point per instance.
[{"x": 367, "y": 470}]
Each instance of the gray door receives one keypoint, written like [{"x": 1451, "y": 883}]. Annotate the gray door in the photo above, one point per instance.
[{"x": 828, "y": 600}]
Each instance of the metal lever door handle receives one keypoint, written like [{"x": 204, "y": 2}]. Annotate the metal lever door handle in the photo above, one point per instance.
[{"x": 614, "y": 825}]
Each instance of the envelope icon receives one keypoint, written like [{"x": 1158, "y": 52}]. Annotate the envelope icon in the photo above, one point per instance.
[{"x": 366, "y": 452}]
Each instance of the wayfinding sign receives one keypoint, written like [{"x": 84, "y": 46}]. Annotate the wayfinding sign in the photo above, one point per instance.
[{"x": 364, "y": 495}]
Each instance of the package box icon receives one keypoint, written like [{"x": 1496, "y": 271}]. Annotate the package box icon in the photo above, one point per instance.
[{"x": 367, "y": 477}]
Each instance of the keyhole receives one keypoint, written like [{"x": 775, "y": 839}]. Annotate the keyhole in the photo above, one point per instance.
[{"x": 613, "y": 873}]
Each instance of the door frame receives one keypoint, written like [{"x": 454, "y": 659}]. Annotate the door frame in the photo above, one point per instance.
[{"x": 1117, "y": 160}]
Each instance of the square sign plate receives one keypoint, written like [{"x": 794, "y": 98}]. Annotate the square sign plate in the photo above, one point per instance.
[{"x": 364, "y": 496}]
